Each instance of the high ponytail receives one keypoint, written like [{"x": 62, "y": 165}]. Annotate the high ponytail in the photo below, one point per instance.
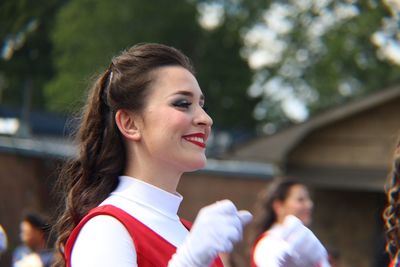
[
  {"x": 88, "y": 179},
  {"x": 391, "y": 214}
]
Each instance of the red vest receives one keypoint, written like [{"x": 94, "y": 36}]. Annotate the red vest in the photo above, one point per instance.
[{"x": 151, "y": 249}]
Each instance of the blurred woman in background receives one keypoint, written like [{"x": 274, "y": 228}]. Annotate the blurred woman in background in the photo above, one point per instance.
[{"x": 279, "y": 234}]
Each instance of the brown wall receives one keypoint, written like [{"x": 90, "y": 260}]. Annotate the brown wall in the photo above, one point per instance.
[
  {"x": 350, "y": 222},
  {"x": 199, "y": 190}
]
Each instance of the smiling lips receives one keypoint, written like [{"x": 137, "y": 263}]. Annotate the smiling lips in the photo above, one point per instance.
[{"x": 197, "y": 139}]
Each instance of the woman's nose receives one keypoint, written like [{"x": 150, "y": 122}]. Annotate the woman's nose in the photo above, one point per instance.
[{"x": 202, "y": 118}]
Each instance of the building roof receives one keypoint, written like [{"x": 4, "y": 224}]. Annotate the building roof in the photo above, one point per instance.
[
  {"x": 274, "y": 149},
  {"x": 241, "y": 169},
  {"x": 40, "y": 123},
  {"x": 38, "y": 134},
  {"x": 42, "y": 147}
]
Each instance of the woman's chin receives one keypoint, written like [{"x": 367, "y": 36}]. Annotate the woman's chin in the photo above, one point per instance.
[{"x": 196, "y": 165}]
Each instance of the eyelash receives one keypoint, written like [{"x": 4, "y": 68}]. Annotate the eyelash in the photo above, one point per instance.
[
  {"x": 185, "y": 104},
  {"x": 182, "y": 104}
]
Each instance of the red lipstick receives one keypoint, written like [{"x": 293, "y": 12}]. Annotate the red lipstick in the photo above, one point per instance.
[{"x": 197, "y": 139}]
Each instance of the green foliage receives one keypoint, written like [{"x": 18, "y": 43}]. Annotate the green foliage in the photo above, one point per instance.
[
  {"x": 225, "y": 77},
  {"x": 321, "y": 69},
  {"x": 25, "y": 63},
  {"x": 351, "y": 57},
  {"x": 88, "y": 33}
]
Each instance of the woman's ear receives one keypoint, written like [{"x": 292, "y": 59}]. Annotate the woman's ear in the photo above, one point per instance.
[{"x": 128, "y": 124}]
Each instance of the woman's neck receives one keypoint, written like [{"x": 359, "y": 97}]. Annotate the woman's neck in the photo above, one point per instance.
[
  {"x": 143, "y": 166},
  {"x": 165, "y": 180}
]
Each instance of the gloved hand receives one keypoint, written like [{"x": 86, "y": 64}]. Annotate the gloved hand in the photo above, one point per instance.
[
  {"x": 305, "y": 250},
  {"x": 216, "y": 229}
]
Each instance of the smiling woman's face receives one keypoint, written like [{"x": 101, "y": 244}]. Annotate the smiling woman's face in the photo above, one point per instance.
[
  {"x": 297, "y": 203},
  {"x": 175, "y": 126}
]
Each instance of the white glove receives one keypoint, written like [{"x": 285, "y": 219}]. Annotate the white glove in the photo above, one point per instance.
[
  {"x": 305, "y": 250},
  {"x": 216, "y": 229}
]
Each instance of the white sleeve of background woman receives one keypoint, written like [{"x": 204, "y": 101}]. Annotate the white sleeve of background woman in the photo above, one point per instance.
[
  {"x": 103, "y": 242},
  {"x": 271, "y": 251}
]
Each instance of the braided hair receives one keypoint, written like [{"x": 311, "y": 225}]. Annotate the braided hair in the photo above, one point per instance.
[{"x": 391, "y": 214}]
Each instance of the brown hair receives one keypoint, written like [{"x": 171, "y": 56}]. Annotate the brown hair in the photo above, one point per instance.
[
  {"x": 87, "y": 180},
  {"x": 264, "y": 214},
  {"x": 391, "y": 214}
]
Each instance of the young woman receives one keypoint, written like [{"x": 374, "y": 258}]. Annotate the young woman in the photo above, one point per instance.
[
  {"x": 391, "y": 214},
  {"x": 143, "y": 126},
  {"x": 279, "y": 234}
]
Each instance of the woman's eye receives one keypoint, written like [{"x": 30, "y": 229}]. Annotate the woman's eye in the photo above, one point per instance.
[{"x": 182, "y": 104}]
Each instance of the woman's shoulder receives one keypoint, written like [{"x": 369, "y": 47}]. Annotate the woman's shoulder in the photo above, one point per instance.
[
  {"x": 102, "y": 222},
  {"x": 102, "y": 235},
  {"x": 102, "y": 228}
]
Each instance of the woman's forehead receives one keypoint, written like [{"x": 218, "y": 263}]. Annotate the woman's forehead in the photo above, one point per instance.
[{"x": 175, "y": 80}]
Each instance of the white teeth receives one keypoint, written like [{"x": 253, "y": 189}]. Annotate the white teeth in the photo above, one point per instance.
[{"x": 196, "y": 139}]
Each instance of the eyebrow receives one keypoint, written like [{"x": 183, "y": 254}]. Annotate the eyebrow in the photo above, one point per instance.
[{"x": 188, "y": 93}]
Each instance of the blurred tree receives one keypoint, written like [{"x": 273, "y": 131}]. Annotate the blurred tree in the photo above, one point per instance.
[
  {"x": 309, "y": 55},
  {"x": 25, "y": 62},
  {"x": 304, "y": 55},
  {"x": 88, "y": 33},
  {"x": 350, "y": 65},
  {"x": 226, "y": 76}
]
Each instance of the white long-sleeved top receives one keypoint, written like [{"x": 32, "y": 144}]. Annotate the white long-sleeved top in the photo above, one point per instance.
[{"x": 104, "y": 241}]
